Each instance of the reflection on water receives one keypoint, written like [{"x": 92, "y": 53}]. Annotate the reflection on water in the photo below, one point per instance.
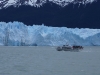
[{"x": 49, "y": 61}]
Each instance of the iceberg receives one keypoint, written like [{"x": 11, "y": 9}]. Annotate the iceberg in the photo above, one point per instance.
[{"x": 19, "y": 34}]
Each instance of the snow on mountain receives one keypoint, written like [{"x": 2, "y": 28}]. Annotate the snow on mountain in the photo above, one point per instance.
[
  {"x": 18, "y": 34},
  {"x": 38, "y": 3}
]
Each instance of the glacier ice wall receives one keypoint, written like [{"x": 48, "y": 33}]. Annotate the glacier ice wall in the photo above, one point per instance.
[{"x": 18, "y": 34}]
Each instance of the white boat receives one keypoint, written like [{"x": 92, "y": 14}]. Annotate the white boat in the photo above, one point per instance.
[
  {"x": 69, "y": 48},
  {"x": 65, "y": 48}
]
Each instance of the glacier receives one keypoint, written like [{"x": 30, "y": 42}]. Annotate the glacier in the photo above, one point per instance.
[{"x": 19, "y": 34}]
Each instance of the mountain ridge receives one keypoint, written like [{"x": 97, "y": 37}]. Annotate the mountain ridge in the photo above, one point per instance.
[{"x": 38, "y": 3}]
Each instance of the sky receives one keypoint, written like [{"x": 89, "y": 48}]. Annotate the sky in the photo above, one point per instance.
[{"x": 50, "y": 14}]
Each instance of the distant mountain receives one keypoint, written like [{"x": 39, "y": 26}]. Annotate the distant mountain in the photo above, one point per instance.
[
  {"x": 57, "y": 13},
  {"x": 38, "y": 3}
]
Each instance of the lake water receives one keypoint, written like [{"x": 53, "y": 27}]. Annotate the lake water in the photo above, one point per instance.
[{"x": 48, "y": 61}]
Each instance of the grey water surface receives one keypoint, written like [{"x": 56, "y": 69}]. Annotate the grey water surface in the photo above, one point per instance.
[{"x": 45, "y": 60}]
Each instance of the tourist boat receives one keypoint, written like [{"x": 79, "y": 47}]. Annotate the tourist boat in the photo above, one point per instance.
[{"x": 69, "y": 48}]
